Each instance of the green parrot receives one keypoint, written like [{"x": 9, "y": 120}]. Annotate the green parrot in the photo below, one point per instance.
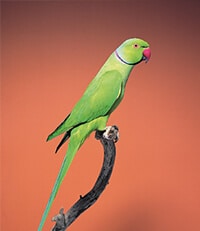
[{"x": 100, "y": 99}]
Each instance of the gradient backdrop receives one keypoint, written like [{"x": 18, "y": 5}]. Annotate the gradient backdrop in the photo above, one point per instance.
[{"x": 50, "y": 52}]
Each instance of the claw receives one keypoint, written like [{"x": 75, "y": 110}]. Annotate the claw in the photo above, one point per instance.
[{"x": 111, "y": 133}]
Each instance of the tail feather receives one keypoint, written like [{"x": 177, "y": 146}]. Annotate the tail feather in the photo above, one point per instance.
[
  {"x": 65, "y": 166},
  {"x": 64, "y": 139},
  {"x": 77, "y": 137},
  {"x": 59, "y": 130}
]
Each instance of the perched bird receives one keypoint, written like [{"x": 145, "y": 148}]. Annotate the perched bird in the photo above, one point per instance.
[{"x": 100, "y": 99}]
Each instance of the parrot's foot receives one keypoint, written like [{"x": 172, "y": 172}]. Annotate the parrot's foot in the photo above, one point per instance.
[{"x": 110, "y": 133}]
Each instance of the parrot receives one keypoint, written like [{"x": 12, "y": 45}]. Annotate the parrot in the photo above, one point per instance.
[{"x": 100, "y": 99}]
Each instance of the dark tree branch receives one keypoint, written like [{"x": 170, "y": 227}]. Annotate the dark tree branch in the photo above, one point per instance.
[{"x": 62, "y": 220}]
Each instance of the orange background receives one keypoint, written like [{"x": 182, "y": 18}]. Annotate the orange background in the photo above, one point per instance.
[{"x": 50, "y": 52}]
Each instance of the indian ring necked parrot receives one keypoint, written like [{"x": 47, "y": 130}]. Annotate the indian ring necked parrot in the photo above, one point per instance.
[{"x": 99, "y": 100}]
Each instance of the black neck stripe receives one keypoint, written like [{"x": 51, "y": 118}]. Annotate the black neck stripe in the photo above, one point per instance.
[{"x": 123, "y": 61}]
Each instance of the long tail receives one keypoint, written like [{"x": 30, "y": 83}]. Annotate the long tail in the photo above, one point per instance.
[
  {"x": 73, "y": 147},
  {"x": 77, "y": 136}
]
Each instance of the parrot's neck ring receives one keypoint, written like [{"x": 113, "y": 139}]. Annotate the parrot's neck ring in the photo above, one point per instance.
[{"x": 122, "y": 60}]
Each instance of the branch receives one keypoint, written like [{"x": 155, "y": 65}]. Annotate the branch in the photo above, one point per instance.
[{"x": 63, "y": 221}]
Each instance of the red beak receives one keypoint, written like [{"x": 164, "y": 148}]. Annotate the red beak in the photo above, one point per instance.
[{"x": 146, "y": 54}]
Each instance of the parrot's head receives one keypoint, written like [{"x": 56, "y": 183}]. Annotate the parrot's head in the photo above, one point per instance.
[{"x": 133, "y": 51}]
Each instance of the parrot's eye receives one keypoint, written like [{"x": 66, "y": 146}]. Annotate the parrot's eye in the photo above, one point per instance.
[{"x": 135, "y": 45}]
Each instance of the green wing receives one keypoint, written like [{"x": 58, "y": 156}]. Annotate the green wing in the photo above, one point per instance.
[{"x": 99, "y": 99}]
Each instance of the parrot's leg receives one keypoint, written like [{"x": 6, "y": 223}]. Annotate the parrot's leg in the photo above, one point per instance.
[{"x": 110, "y": 133}]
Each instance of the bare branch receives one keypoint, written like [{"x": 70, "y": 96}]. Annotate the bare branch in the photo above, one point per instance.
[{"x": 62, "y": 220}]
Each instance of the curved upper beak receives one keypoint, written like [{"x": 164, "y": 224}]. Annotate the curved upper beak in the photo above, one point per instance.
[{"x": 146, "y": 54}]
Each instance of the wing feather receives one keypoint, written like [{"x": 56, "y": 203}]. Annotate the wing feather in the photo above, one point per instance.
[{"x": 98, "y": 100}]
